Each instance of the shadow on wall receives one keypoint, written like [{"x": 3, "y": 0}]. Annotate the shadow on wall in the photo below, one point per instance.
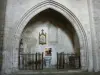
[
  {"x": 55, "y": 18},
  {"x": 2, "y": 23},
  {"x": 49, "y": 16}
]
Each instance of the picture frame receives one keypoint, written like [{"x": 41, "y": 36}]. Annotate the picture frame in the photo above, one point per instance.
[{"x": 42, "y": 37}]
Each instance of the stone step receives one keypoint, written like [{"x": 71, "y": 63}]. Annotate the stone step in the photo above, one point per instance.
[
  {"x": 55, "y": 72},
  {"x": 81, "y": 73}
]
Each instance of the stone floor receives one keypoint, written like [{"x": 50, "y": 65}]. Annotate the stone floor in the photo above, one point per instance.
[
  {"x": 81, "y": 73},
  {"x": 55, "y": 72}
]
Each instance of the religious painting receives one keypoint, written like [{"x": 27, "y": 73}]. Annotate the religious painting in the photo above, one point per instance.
[
  {"x": 42, "y": 37},
  {"x": 48, "y": 51}
]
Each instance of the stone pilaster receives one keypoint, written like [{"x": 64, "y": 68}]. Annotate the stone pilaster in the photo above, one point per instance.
[
  {"x": 2, "y": 23},
  {"x": 95, "y": 7}
]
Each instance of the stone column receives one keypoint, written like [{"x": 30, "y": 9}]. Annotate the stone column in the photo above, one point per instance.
[
  {"x": 93, "y": 37},
  {"x": 2, "y": 23}
]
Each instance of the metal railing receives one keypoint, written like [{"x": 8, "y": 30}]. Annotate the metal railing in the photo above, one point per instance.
[
  {"x": 36, "y": 61},
  {"x": 68, "y": 61},
  {"x": 31, "y": 61}
]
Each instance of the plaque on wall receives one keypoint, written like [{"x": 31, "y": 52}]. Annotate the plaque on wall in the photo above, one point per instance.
[{"x": 42, "y": 37}]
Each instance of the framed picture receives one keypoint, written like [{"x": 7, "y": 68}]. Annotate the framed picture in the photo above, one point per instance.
[
  {"x": 42, "y": 37},
  {"x": 48, "y": 51}
]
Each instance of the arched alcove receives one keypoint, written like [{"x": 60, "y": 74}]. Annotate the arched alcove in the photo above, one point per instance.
[
  {"x": 22, "y": 23},
  {"x": 60, "y": 35},
  {"x": 68, "y": 15}
]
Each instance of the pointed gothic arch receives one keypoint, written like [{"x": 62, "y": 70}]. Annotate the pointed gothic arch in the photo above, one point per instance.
[{"x": 65, "y": 12}]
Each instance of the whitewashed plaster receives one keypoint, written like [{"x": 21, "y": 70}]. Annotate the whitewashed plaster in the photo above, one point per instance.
[{"x": 31, "y": 44}]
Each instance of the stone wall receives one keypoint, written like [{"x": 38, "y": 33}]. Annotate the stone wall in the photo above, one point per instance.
[
  {"x": 59, "y": 41},
  {"x": 2, "y": 23},
  {"x": 16, "y": 21},
  {"x": 96, "y": 20}
]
